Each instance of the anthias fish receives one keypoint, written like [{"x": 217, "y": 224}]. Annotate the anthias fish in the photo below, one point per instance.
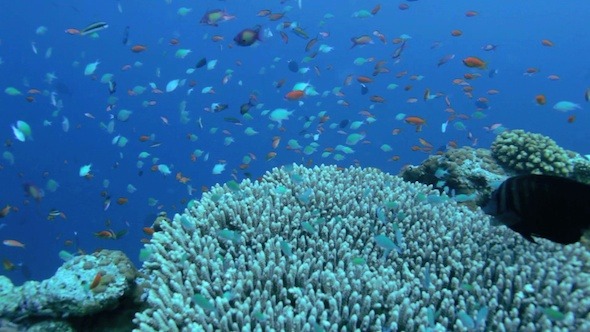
[{"x": 551, "y": 207}]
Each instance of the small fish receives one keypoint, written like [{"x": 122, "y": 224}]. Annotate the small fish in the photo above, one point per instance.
[
  {"x": 122, "y": 200},
  {"x": 138, "y": 48},
  {"x": 107, "y": 203},
  {"x": 445, "y": 59},
  {"x": 106, "y": 234},
  {"x": 13, "y": 243},
  {"x": 8, "y": 265},
  {"x": 247, "y": 37},
  {"x": 540, "y": 99},
  {"x": 96, "y": 280},
  {"x": 546, "y": 206},
  {"x": 474, "y": 62},
  {"x": 215, "y": 16},
  {"x": 566, "y": 106},
  {"x": 5, "y": 211},
  {"x": 92, "y": 28},
  {"x": 489, "y": 47},
  {"x": 126, "y": 35},
  {"x": 54, "y": 213},
  {"x": 361, "y": 40}
]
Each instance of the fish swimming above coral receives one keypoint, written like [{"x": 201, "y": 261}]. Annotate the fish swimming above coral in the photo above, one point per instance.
[{"x": 551, "y": 207}]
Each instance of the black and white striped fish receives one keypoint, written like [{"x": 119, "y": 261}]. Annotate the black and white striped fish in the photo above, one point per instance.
[{"x": 551, "y": 207}]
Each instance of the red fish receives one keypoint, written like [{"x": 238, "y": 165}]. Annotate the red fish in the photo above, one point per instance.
[
  {"x": 96, "y": 280},
  {"x": 474, "y": 62},
  {"x": 295, "y": 95},
  {"x": 138, "y": 48}
]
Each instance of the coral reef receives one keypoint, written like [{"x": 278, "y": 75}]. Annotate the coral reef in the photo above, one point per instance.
[
  {"x": 353, "y": 249},
  {"x": 464, "y": 171},
  {"x": 580, "y": 168},
  {"x": 74, "y": 290},
  {"x": 524, "y": 152}
]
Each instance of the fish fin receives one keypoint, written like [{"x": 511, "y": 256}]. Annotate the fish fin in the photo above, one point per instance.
[{"x": 528, "y": 237}]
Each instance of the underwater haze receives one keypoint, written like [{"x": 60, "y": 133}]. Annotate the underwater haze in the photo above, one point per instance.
[{"x": 116, "y": 111}]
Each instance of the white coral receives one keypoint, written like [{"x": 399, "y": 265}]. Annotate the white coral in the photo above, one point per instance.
[{"x": 470, "y": 265}]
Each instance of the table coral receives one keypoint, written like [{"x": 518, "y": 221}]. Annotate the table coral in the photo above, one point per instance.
[{"x": 353, "y": 249}]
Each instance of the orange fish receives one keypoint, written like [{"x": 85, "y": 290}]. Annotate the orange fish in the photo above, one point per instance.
[
  {"x": 364, "y": 79},
  {"x": 474, "y": 62},
  {"x": 471, "y": 13},
  {"x": 270, "y": 155},
  {"x": 415, "y": 120},
  {"x": 456, "y": 33},
  {"x": 96, "y": 280},
  {"x": 148, "y": 230},
  {"x": 310, "y": 44},
  {"x": 174, "y": 41},
  {"x": 284, "y": 37},
  {"x": 425, "y": 143},
  {"x": 144, "y": 138},
  {"x": 547, "y": 42},
  {"x": 13, "y": 243},
  {"x": 275, "y": 16},
  {"x": 295, "y": 95},
  {"x": 571, "y": 118},
  {"x": 275, "y": 141},
  {"x": 106, "y": 234},
  {"x": 541, "y": 99},
  {"x": 122, "y": 200},
  {"x": 376, "y": 9},
  {"x": 138, "y": 48},
  {"x": 181, "y": 178}
]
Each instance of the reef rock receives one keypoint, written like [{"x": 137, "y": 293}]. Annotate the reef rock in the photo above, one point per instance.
[{"x": 84, "y": 285}]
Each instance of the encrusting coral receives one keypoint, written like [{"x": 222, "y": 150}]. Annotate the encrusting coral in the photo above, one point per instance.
[
  {"x": 328, "y": 249},
  {"x": 74, "y": 290}
]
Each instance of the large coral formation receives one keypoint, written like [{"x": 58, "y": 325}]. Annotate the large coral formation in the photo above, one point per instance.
[
  {"x": 463, "y": 170},
  {"x": 525, "y": 152},
  {"x": 580, "y": 169},
  {"x": 68, "y": 292},
  {"x": 353, "y": 249}
]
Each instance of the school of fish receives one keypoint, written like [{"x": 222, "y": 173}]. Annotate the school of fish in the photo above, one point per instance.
[{"x": 225, "y": 94}]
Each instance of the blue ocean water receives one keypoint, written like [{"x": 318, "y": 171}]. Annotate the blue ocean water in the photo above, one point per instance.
[{"x": 34, "y": 47}]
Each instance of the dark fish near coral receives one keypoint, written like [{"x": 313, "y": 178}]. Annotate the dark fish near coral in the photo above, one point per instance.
[{"x": 546, "y": 206}]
